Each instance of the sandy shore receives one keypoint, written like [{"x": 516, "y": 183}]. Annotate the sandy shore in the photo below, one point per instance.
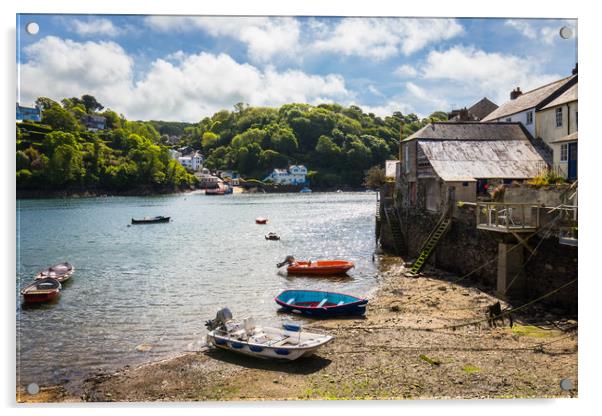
[{"x": 401, "y": 350}]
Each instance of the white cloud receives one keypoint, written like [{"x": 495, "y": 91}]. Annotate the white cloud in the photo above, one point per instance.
[
  {"x": 427, "y": 97},
  {"x": 544, "y": 34},
  {"x": 265, "y": 37},
  {"x": 179, "y": 87},
  {"x": 375, "y": 91},
  {"x": 380, "y": 38},
  {"x": 406, "y": 71},
  {"x": 389, "y": 107},
  {"x": 63, "y": 68},
  {"x": 484, "y": 73},
  {"x": 523, "y": 27},
  {"x": 94, "y": 26}
]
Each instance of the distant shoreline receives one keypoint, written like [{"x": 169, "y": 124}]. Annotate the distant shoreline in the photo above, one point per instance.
[{"x": 75, "y": 194}]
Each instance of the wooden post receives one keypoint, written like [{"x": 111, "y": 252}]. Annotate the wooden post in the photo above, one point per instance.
[{"x": 509, "y": 264}]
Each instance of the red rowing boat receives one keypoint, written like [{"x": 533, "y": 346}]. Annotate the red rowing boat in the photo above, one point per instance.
[
  {"x": 261, "y": 220},
  {"x": 41, "y": 290},
  {"x": 320, "y": 267}
]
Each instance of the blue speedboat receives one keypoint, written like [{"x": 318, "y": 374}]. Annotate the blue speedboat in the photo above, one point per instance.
[{"x": 317, "y": 303}]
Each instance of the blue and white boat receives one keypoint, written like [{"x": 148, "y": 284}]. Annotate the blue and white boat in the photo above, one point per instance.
[
  {"x": 305, "y": 190},
  {"x": 318, "y": 303},
  {"x": 243, "y": 337}
]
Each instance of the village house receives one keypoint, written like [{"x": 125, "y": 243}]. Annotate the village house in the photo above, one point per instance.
[
  {"x": 523, "y": 106},
  {"x": 556, "y": 124},
  {"x": 549, "y": 113},
  {"x": 29, "y": 113},
  {"x": 193, "y": 162},
  {"x": 294, "y": 175},
  {"x": 206, "y": 179},
  {"x": 94, "y": 122},
  {"x": 230, "y": 176},
  {"x": 457, "y": 161},
  {"x": 174, "y": 154},
  {"x": 476, "y": 112}
]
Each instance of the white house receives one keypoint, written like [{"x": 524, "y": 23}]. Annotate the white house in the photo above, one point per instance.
[
  {"x": 192, "y": 162},
  {"x": 295, "y": 175},
  {"x": 522, "y": 106}
]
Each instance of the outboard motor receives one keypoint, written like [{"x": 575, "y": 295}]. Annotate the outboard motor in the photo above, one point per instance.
[
  {"x": 288, "y": 260},
  {"x": 223, "y": 315}
]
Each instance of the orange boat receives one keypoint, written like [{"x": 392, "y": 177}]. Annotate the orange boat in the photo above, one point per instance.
[{"x": 320, "y": 267}]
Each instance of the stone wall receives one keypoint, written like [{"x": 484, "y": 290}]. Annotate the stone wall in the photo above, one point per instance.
[
  {"x": 550, "y": 196},
  {"x": 464, "y": 248}
]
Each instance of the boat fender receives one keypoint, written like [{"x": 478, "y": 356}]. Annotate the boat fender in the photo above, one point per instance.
[{"x": 292, "y": 327}]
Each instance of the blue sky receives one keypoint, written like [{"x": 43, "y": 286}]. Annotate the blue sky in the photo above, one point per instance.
[{"x": 185, "y": 68}]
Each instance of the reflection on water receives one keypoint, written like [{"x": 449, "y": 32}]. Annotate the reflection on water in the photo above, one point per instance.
[{"x": 156, "y": 284}]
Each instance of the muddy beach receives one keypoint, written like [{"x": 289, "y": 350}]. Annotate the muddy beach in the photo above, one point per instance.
[{"x": 405, "y": 348}]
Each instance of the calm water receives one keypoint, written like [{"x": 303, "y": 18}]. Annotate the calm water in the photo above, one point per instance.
[{"x": 157, "y": 284}]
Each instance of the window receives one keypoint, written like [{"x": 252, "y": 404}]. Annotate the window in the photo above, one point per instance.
[
  {"x": 559, "y": 117},
  {"x": 509, "y": 119},
  {"x": 529, "y": 117},
  {"x": 564, "y": 152},
  {"x": 406, "y": 149}
]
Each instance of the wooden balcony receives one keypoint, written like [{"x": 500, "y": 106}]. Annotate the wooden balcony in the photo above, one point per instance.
[{"x": 507, "y": 218}]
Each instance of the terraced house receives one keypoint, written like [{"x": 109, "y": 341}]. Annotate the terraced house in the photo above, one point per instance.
[{"x": 549, "y": 113}]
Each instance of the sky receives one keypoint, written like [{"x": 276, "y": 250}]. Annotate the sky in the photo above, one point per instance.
[{"x": 184, "y": 68}]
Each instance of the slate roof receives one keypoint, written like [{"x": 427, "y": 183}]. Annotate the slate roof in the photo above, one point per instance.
[
  {"x": 566, "y": 97},
  {"x": 472, "y": 130},
  {"x": 528, "y": 99},
  {"x": 459, "y": 160},
  {"x": 474, "y": 150},
  {"x": 482, "y": 108}
]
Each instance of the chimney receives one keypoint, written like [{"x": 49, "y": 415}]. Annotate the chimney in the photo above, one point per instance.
[
  {"x": 514, "y": 94},
  {"x": 574, "y": 72},
  {"x": 463, "y": 115}
]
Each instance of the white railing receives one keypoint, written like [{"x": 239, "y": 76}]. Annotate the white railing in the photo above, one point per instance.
[{"x": 507, "y": 217}]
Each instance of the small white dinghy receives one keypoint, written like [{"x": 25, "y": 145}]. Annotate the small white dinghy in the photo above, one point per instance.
[{"x": 286, "y": 343}]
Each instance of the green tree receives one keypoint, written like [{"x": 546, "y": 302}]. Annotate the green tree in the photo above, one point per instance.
[
  {"x": 375, "y": 177},
  {"x": 90, "y": 103},
  {"x": 65, "y": 166},
  {"x": 209, "y": 140},
  {"x": 45, "y": 103},
  {"x": 60, "y": 119},
  {"x": 23, "y": 161}
]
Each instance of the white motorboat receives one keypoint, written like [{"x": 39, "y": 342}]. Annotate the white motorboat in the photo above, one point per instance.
[{"x": 286, "y": 343}]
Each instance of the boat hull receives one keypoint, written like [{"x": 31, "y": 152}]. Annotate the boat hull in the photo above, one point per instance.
[
  {"x": 41, "y": 297},
  {"x": 261, "y": 221},
  {"x": 42, "y": 290},
  {"x": 319, "y": 304},
  {"x": 259, "y": 350},
  {"x": 151, "y": 221},
  {"x": 321, "y": 268},
  {"x": 60, "y": 275}
]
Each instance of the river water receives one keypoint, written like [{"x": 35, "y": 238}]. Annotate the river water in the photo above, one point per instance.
[{"x": 156, "y": 284}]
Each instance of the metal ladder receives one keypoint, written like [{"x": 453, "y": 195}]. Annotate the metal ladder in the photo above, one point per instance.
[
  {"x": 394, "y": 226},
  {"x": 431, "y": 242}
]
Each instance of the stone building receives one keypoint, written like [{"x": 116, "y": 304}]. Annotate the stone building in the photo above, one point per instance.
[{"x": 458, "y": 161}]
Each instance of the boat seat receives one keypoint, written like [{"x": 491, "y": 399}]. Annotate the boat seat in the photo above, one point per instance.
[
  {"x": 322, "y": 302},
  {"x": 290, "y": 301}
]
